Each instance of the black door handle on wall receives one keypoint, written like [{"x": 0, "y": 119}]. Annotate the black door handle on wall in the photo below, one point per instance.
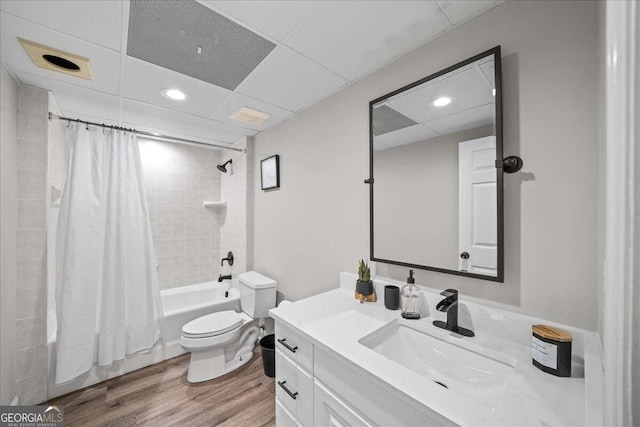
[{"x": 464, "y": 255}]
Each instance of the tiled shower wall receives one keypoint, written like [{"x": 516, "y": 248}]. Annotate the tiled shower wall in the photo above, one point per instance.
[
  {"x": 236, "y": 186},
  {"x": 31, "y": 309},
  {"x": 178, "y": 178}
]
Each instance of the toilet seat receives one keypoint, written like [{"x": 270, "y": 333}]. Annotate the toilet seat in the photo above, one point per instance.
[{"x": 214, "y": 324}]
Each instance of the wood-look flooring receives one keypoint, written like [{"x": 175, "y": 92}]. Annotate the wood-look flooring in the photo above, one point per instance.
[{"x": 160, "y": 395}]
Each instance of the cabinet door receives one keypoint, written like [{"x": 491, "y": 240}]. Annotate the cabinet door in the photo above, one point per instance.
[
  {"x": 329, "y": 410},
  {"x": 368, "y": 398},
  {"x": 284, "y": 417},
  {"x": 294, "y": 389}
]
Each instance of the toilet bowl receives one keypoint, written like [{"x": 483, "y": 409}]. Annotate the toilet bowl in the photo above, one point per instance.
[{"x": 222, "y": 342}]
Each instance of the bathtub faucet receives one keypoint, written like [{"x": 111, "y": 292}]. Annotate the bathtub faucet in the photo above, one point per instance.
[{"x": 227, "y": 277}]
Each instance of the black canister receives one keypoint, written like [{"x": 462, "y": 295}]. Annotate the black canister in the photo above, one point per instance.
[
  {"x": 551, "y": 350},
  {"x": 392, "y": 297}
]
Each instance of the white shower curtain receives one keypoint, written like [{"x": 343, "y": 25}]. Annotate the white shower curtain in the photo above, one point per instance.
[{"x": 107, "y": 289}]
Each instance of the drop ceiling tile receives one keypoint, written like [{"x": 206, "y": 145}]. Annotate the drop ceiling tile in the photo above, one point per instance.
[
  {"x": 468, "y": 89},
  {"x": 274, "y": 18},
  {"x": 378, "y": 146},
  {"x": 289, "y": 80},
  {"x": 354, "y": 38},
  {"x": 489, "y": 72},
  {"x": 465, "y": 120},
  {"x": 406, "y": 135},
  {"x": 156, "y": 119},
  {"x": 105, "y": 63},
  {"x": 192, "y": 39},
  {"x": 144, "y": 81},
  {"x": 96, "y": 21},
  {"x": 462, "y": 10},
  {"x": 235, "y": 101},
  {"x": 75, "y": 99}
]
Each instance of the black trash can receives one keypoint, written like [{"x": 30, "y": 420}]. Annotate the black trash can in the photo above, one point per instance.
[{"x": 268, "y": 349}]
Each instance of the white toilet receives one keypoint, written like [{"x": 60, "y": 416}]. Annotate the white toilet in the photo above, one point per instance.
[{"x": 224, "y": 341}]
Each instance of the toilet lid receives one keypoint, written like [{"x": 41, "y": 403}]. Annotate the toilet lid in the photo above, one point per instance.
[{"x": 213, "y": 324}]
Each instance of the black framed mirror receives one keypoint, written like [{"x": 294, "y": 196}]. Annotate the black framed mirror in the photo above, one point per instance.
[{"x": 436, "y": 171}]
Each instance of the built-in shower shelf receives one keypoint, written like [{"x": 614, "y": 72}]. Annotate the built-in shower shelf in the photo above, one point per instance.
[{"x": 214, "y": 204}]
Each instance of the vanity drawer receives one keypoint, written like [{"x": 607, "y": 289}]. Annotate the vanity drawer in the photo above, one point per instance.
[
  {"x": 294, "y": 346},
  {"x": 294, "y": 389},
  {"x": 284, "y": 417},
  {"x": 330, "y": 410}
]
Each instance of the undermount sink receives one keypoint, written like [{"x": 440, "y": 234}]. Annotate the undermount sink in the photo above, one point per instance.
[{"x": 451, "y": 362}]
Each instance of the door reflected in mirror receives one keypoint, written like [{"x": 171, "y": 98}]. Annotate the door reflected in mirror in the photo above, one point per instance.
[{"x": 436, "y": 192}]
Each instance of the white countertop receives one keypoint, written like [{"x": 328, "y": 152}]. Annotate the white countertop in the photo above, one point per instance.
[{"x": 336, "y": 321}]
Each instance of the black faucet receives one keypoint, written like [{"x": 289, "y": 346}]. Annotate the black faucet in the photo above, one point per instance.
[
  {"x": 449, "y": 305},
  {"x": 229, "y": 259}
]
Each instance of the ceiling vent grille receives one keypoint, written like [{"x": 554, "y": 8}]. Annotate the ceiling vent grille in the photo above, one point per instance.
[
  {"x": 250, "y": 116},
  {"x": 57, "y": 60},
  {"x": 387, "y": 119},
  {"x": 191, "y": 39}
]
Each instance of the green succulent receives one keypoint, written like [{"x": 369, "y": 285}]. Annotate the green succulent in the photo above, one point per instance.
[{"x": 364, "y": 272}]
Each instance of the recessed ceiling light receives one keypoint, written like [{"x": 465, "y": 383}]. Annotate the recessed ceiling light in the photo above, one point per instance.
[
  {"x": 174, "y": 94},
  {"x": 442, "y": 101},
  {"x": 249, "y": 115}
]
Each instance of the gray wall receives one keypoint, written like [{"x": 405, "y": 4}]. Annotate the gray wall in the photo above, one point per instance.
[
  {"x": 8, "y": 224},
  {"x": 416, "y": 200},
  {"x": 317, "y": 223}
]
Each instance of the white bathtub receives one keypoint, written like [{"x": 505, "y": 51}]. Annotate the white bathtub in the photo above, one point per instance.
[{"x": 180, "y": 305}]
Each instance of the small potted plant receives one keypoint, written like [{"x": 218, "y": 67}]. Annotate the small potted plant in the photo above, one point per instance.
[{"x": 364, "y": 285}]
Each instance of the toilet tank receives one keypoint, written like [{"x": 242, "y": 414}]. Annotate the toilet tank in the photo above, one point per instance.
[{"x": 257, "y": 294}]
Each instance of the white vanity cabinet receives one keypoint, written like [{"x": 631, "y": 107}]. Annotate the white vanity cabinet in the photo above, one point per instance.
[
  {"x": 294, "y": 378},
  {"x": 314, "y": 387},
  {"x": 355, "y": 364}
]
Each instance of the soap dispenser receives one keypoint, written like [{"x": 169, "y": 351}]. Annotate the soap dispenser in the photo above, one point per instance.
[{"x": 410, "y": 298}]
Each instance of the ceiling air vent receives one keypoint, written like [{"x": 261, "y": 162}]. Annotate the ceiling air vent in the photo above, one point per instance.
[
  {"x": 53, "y": 59},
  {"x": 250, "y": 116}
]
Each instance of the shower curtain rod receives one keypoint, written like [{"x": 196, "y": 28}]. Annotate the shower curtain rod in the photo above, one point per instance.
[{"x": 148, "y": 134}]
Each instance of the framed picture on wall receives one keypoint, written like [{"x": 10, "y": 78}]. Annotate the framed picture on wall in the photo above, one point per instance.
[{"x": 270, "y": 172}]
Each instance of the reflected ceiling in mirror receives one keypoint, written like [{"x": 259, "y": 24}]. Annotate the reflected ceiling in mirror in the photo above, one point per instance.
[
  {"x": 457, "y": 101},
  {"x": 438, "y": 193}
]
